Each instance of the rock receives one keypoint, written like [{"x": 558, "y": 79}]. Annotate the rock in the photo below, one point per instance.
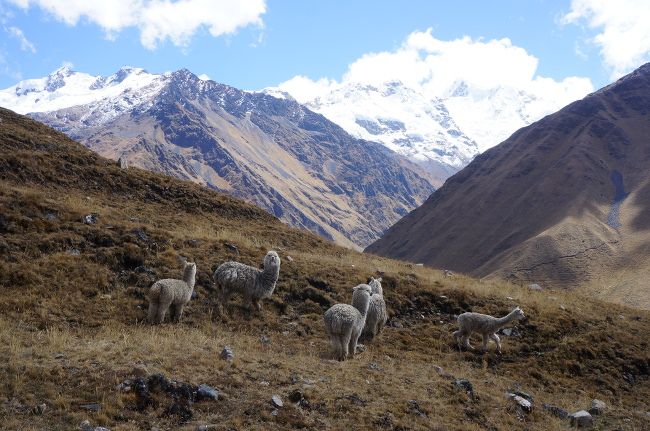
[
  {"x": 534, "y": 286},
  {"x": 296, "y": 396},
  {"x": 264, "y": 383},
  {"x": 86, "y": 426},
  {"x": 125, "y": 386},
  {"x": 556, "y": 411},
  {"x": 59, "y": 356},
  {"x": 522, "y": 402},
  {"x": 448, "y": 273},
  {"x": 40, "y": 409},
  {"x": 597, "y": 407},
  {"x": 205, "y": 392},
  {"x": 396, "y": 324},
  {"x": 438, "y": 369},
  {"x": 122, "y": 163},
  {"x": 274, "y": 412},
  {"x": 443, "y": 297},
  {"x": 289, "y": 259},
  {"x": 90, "y": 219},
  {"x": 562, "y": 307},
  {"x": 581, "y": 419},
  {"x": 277, "y": 401},
  {"x": 374, "y": 366},
  {"x": 360, "y": 348},
  {"x": 50, "y": 216},
  {"x": 91, "y": 407},
  {"x": 227, "y": 354},
  {"x": 231, "y": 247},
  {"x": 419, "y": 264},
  {"x": 264, "y": 339},
  {"x": 510, "y": 298},
  {"x": 465, "y": 385},
  {"x": 506, "y": 331},
  {"x": 414, "y": 408},
  {"x": 523, "y": 394},
  {"x": 140, "y": 234},
  {"x": 140, "y": 370}
]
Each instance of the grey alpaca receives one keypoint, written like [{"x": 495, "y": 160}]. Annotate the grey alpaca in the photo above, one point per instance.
[
  {"x": 485, "y": 325},
  {"x": 344, "y": 323},
  {"x": 254, "y": 284},
  {"x": 377, "y": 314},
  {"x": 171, "y": 293}
]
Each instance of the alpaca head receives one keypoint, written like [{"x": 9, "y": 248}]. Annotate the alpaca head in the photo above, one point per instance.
[
  {"x": 271, "y": 260},
  {"x": 375, "y": 286},
  {"x": 518, "y": 313},
  {"x": 361, "y": 297},
  {"x": 189, "y": 272}
]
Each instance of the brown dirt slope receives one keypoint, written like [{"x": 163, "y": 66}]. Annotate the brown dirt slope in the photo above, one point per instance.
[
  {"x": 540, "y": 207},
  {"x": 72, "y": 301}
]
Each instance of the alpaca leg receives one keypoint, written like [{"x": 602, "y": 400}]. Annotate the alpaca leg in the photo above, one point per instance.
[
  {"x": 162, "y": 310},
  {"x": 257, "y": 304},
  {"x": 352, "y": 347},
  {"x": 178, "y": 313},
  {"x": 153, "y": 310},
  {"x": 497, "y": 340},
  {"x": 456, "y": 335},
  {"x": 486, "y": 339},
  {"x": 466, "y": 342},
  {"x": 345, "y": 345}
]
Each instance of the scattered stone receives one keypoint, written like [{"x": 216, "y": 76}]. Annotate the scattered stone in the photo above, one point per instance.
[
  {"x": 274, "y": 412},
  {"x": 523, "y": 394},
  {"x": 231, "y": 247},
  {"x": 91, "y": 407},
  {"x": 86, "y": 426},
  {"x": 443, "y": 297},
  {"x": 556, "y": 411},
  {"x": 396, "y": 324},
  {"x": 40, "y": 409},
  {"x": 205, "y": 392},
  {"x": 90, "y": 219},
  {"x": 353, "y": 266},
  {"x": 49, "y": 215},
  {"x": 264, "y": 383},
  {"x": 289, "y": 259},
  {"x": 141, "y": 234},
  {"x": 448, "y": 273},
  {"x": 562, "y": 307},
  {"x": 277, "y": 401},
  {"x": 140, "y": 371},
  {"x": 534, "y": 286},
  {"x": 360, "y": 348},
  {"x": 581, "y": 419},
  {"x": 438, "y": 369},
  {"x": 385, "y": 421},
  {"x": 506, "y": 331},
  {"x": 419, "y": 264},
  {"x": 374, "y": 366},
  {"x": 227, "y": 354},
  {"x": 510, "y": 298},
  {"x": 414, "y": 408},
  {"x": 597, "y": 407},
  {"x": 59, "y": 356},
  {"x": 296, "y": 396},
  {"x": 264, "y": 339},
  {"x": 125, "y": 386},
  {"x": 465, "y": 385},
  {"x": 522, "y": 402}
]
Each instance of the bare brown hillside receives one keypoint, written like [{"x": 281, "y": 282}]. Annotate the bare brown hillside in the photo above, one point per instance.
[
  {"x": 72, "y": 304},
  {"x": 564, "y": 202}
]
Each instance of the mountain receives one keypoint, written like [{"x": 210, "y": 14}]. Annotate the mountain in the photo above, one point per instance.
[
  {"x": 439, "y": 127},
  {"x": 563, "y": 202},
  {"x": 73, "y": 298},
  {"x": 272, "y": 152},
  {"x": 402, "y": 119}
]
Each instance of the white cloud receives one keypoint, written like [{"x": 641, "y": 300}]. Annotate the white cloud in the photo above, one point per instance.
[
  {"x": 622, "y": 31},
  {"x": 157, "y": 20},
  {"x": 434, "y": 67},
  {"x": 25, "y": 44}
]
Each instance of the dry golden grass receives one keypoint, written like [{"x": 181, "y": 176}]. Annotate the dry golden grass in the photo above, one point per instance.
[{"x": 72, "y": 301}]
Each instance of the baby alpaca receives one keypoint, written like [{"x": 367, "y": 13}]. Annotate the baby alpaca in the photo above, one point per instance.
[
  {"x": 485, "y": 325},
  {"x": 344, "y": 322},
  {"x": 254, "y": 284},
  {"x": 377, "y": 314},
  {"x": 171, "y": 293}
]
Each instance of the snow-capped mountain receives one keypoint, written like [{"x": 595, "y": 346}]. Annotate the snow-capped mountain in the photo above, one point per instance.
[
  {"x": 273, "y": 152},
  {"x": 402, "y": 119},
  {"x": 440, "y": 129}
]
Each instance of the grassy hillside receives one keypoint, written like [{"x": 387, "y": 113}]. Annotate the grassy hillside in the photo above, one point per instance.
[{"x": 72, "y": 306}]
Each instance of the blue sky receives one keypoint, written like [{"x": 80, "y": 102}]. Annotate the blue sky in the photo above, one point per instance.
[{"x": 265, "y": 43}]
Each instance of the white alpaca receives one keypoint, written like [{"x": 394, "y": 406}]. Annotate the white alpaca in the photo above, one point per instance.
[
  {"x": 171, "y": 293},
  {"x": 251, "y": 282},
  {"x": 377, "y": 314},
  {"x": 485, "y": 325},
  {"x": 344, "y": 322}
]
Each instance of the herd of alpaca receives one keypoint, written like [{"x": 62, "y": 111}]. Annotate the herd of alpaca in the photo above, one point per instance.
[{"x": 345, "y": 324}]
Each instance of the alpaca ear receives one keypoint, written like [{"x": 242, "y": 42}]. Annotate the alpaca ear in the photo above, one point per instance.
[{"x": 379, "y": 279}]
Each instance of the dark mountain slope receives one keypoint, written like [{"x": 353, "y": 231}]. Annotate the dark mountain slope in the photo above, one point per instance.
[{"x": 562, "y": 202}]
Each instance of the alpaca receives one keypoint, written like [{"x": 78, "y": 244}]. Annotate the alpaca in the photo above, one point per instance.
[
  {"x": 171, "y": 293},
  {"x": 485, "y": 325},
  {"x": 254, "y": 284},
  {"x": 344, "y": 323},
  {"x": 377, "y": 315}
]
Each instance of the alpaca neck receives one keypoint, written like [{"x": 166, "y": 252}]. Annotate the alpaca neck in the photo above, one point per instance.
[
  {"x": 361, "y": 302},
  {"x": 271, "y": 273},
  {"x": 506, "y": 319},
  {"x": 189, "y": 277}
]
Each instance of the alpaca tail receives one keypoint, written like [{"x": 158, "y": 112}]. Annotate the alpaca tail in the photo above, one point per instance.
[{"x": 154, "y": 302}]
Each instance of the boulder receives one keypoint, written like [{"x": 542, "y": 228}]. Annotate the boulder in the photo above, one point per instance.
[
  {"x": 581, "y": 419},
  {"x": 597, "y": 407}
]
